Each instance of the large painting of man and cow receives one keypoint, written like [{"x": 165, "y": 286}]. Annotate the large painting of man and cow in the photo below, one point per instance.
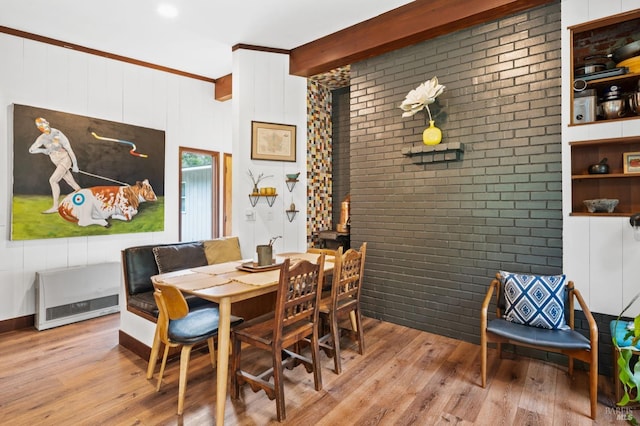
[{"x": 77, "y": 176}]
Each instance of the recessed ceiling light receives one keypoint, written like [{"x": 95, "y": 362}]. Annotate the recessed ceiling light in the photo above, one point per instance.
[{"x": 167, "y": 10}]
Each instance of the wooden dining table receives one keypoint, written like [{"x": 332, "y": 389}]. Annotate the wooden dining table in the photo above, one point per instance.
[{"x": 226, "y": 283}]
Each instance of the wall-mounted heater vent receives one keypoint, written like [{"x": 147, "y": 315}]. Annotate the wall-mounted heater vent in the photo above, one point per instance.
[{"x": 74, "y": 294}]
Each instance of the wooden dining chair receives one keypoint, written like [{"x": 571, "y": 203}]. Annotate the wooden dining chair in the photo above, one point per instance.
[
  {"x": 348, "y": 272},
  {"x": 328, "y": 276},
  {"x": 178, "y": 326},
  {"x": 317, "y": 250},
  {"x": 294, "y": 321}
]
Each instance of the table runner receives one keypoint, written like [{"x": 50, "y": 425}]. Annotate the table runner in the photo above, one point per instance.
[
  {"x": 219, "y": 268},
  {"x": 196, "y": 281},
  {"x": 259, "y": 278}
]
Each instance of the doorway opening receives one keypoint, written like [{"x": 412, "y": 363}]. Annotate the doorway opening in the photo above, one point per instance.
[{"x": 199, "y": 194}]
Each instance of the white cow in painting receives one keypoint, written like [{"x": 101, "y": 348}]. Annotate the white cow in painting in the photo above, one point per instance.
[{"x": 93, "y": 206}]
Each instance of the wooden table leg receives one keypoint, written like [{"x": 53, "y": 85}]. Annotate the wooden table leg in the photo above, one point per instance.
[
  {"x": 352, "y": 317},
  {"x": 224, "y": 338}
]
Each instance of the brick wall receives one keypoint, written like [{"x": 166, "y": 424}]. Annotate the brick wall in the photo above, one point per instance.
[
  {"x": 438, "y": 232},
  {"x": 340, "y": 137}
]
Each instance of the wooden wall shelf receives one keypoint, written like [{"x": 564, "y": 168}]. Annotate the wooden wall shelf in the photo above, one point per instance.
[
  {"x": 443, "y": 152},
  {"x": 253, "y": 199}
]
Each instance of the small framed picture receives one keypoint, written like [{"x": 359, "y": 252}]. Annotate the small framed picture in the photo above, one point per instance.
[
  {"x": 270, "y": 141},
  {"x": 631, "y": 161}
]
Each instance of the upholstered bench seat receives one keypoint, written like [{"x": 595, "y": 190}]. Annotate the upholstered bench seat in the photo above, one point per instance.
[
  {"x": 559, "y": 339},
  {"x": 140, "y": 263},
  {"x": 144, "y": 302}
]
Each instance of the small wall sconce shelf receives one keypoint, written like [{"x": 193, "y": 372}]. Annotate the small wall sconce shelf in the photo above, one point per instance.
[
  {"x": 291, "y": 214},
  {"x": 253, "y": 199},
  {"x": 291, "y": 183},
  {"x": 292, "y": 179},
  {"x": 442, "y": 152}
]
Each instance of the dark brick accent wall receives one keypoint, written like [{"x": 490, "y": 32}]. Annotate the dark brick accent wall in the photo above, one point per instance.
[
  {"x": 341, "y": 152},
  {"x": 438, "y": 232}
]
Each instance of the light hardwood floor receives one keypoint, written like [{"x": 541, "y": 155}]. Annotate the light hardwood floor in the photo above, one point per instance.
[{"x": 79, "y": 375}]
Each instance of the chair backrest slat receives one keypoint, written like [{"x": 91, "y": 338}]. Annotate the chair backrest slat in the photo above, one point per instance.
[
  {"x": 347, "y": 276},
  {"x": 298, "y": 293}
]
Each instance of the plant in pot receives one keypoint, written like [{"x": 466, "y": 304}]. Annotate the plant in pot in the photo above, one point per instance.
[
  {"x": 256, "y": 180},
  {"x": 628, "y": 367}
]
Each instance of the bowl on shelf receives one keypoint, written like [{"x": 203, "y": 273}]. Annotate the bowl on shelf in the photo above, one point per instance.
[
  {"x": 601, "y": 205},
  {"x": 293, "y": 176}
]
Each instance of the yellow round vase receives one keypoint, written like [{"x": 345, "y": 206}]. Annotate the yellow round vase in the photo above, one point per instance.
[{"x": 431, "y": 135}]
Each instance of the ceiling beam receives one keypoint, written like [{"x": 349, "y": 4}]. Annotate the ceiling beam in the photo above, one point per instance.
[
  {"x": 223, "y": 89},
  {"x": 410, "y": 24}
]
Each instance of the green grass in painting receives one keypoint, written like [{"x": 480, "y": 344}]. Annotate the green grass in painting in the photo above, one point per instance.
[{"x": 29, "y": 223}]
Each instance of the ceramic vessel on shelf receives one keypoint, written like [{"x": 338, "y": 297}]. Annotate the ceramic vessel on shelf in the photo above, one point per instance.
[
  {"x": 431, "y": 135},
  {"x": 601, "y": 205},
  {"x": 293, "y": 176},
  {"x": 614, "y": 108}
]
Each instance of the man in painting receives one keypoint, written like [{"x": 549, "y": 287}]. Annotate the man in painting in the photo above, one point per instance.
[{"x": 56, "y": 145}]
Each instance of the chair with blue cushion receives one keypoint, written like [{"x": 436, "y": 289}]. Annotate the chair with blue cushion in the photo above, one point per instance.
[
  {"x": 178, "y": 326},
  {"x": 538, "y": 312}
]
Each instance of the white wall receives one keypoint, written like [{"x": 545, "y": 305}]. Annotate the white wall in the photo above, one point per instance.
[
  {"x": 599, "y": 253},
  {"x": 41, "y": 75},
  {"x": 264, "y": 91}
]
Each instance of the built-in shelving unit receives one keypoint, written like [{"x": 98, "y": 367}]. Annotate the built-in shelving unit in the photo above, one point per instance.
[
  {"x": 615, "y": 184},
  {"x": 591, "y": 42}
]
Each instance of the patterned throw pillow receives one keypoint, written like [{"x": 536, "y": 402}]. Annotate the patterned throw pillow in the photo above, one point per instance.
[{"x": 535, "y": 300}]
